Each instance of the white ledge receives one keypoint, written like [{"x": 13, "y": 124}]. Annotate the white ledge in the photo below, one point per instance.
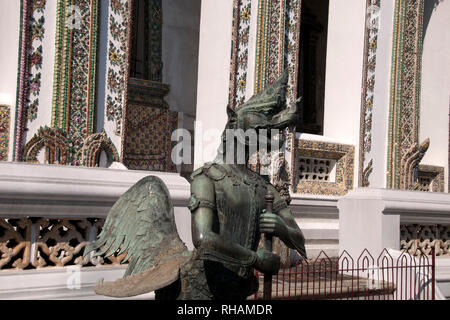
[
  {"x": 36, "y": 190},
  {"x": 411, "y": 206}
]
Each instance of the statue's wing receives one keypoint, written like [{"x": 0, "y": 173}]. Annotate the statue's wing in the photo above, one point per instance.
[{"x": 142, "y": 224}]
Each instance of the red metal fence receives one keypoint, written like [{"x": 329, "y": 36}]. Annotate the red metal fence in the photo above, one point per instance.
[{"x": 393, "y": 275}]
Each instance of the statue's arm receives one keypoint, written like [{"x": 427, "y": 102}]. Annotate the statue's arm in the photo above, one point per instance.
[
  {"x": 214, "y": 247},
  {"x": 283, "y": 226}
]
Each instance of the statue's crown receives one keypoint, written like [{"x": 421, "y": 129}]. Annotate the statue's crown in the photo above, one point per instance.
[{"x": 273, "y": 96}]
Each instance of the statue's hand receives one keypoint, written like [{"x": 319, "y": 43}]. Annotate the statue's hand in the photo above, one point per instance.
[
  {"x": 267, "y": 262},
  {"x": 272, "y": 224}
]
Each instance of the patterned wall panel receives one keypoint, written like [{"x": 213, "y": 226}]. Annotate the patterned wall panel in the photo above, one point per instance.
[
  {"x": 149, "y": 125},
  {"x": 4, "y": 132},
  {"x": 239, "y": 54},
  {"x": 35, "y": 59},
  {"x": 118, "y": 62},
  {"x": 32, "y": 31},
  {"x": 277, "y": 49},
  {"x": 368, "y": 87},
  {"x": 405, "y": 90},
  {"x": 75, "y": 71}
]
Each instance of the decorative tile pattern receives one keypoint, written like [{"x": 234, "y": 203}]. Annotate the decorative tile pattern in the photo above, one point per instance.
[
  {"x": 94, "y": 145},
  {"x": 368, "y": 87},
  {"x": 343, "y": 155},
  {"x": 277, "y": 48},
  {"x": 270, "y": 42},
  {"x": 239, "y": 55},
  {"x": 55, "y": 143},
  {"x": 29, "y": 73},
  {"x": 57, "y": 243},
  {"x": 409, "y": 163},
  {"x": 35, "y": 60},
  {"x": 431, "y": 178},
  {"x": 278, "y": 43},
  {"x": 154, "y": 44},
  {"x": 58, "y": 147},
  {"x": 366, "y": 174},
  {"x": 118, "y": 56},
  {"x": 405, "y": 85},
  {"x": 292, "y": 47},
  {"x": 149, "y": 127},
  {"x": 22, "y": 76},
  {"x": 4, "y": 132},
  {"x": 75, "y": 72}
]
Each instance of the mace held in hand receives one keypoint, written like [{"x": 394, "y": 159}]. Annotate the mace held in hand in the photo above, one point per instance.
[{"x": 267, "y": 293}]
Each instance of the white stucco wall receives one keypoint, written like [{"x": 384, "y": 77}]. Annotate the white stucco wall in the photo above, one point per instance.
[
  {"x": 252, "y": 43},
  {"x": 344, "y": 71},
  {"x": 435, "y": 91},
  {"x": 9, "y": 44},
  {"x": 213, "y": 76}
]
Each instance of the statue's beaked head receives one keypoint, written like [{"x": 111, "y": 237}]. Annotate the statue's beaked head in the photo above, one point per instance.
[{"x": 265, "y": 110}]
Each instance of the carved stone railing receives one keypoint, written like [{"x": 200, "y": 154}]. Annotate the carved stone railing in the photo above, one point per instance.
[
  {"x": 49, "y": 214},
  {"x": 31, "y": 243},
  {"x": 383, "y": 218},
  {"x": 425, "y": 237}
]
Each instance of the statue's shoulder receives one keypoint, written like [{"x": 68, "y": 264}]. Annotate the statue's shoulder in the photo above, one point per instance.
[{"x": 212, "y": 170}]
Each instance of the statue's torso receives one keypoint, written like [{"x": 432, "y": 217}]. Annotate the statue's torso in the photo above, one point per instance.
[{"x": 240, "y": 199}]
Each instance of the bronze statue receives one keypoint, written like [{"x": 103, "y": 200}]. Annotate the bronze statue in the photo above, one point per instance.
[{"x": 228, "y": 217}]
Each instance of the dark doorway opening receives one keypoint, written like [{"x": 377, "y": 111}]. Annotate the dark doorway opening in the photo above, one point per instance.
[{"x": 312, "y": 64}]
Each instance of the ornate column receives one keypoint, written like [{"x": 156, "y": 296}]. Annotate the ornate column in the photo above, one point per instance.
[
  {"x": 22, "y": 80},
  {"x": 404, "y": 148},
  {"x": 75, "y": 71},
  {"x": 368, "y": 91},
  {"x": 278, "y": 47}
]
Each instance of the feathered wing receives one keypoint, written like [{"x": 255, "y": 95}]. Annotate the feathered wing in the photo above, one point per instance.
[{"x": 142, "y": 224}]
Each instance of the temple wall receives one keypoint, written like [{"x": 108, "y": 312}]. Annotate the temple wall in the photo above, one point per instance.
[
  {"x": 435, "y": 90},
  {"x": 213, "y": 76},
  {"x": 344, "y": 71},
  {"x": 9, "y": 41}
]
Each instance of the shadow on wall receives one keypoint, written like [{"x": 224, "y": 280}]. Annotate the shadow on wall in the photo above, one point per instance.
[{"x": 430, "y": 7}]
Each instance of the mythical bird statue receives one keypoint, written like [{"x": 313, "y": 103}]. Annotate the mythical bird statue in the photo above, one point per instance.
[{"x": 227, "y": 205}]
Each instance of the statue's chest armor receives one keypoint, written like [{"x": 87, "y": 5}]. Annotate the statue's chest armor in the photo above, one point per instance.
[{"x": 240, "y": 200}]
